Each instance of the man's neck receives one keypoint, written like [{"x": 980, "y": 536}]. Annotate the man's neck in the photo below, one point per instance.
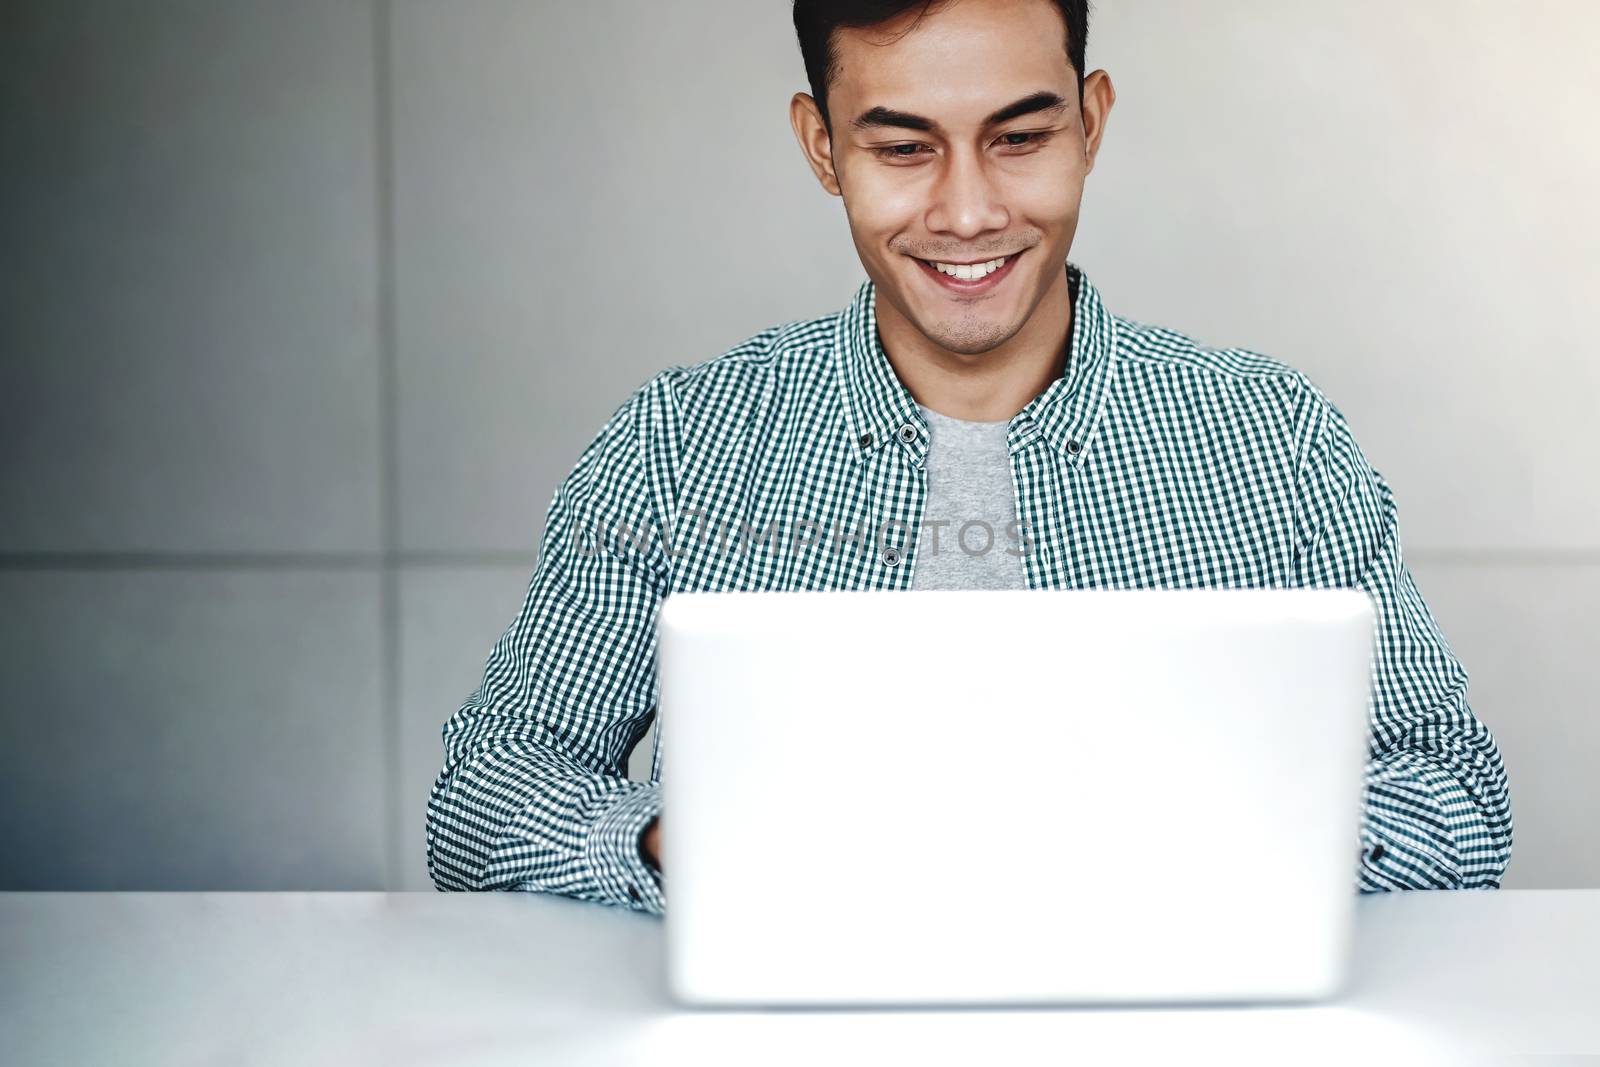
[{"x": 987, "y": 386}]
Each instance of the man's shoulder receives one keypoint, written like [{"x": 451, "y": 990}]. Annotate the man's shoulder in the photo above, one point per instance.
[
  {"x": 1149, "y": 353},
  {"x": 1273, "y": 389},
  {"x": 1161, "y": 349},
  {"x": 781, "y": 360},
  {"x": 791, "y": 351}
]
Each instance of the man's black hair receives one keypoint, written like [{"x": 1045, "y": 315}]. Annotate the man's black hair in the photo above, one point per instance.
[{"x": 815, "y": 21}]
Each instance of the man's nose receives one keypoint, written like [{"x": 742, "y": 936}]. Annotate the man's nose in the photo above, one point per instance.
[{"x": 966, "y": 201}]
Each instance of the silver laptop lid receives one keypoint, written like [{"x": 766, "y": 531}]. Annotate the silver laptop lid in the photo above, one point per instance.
[{"x": 1011, "y": 796}]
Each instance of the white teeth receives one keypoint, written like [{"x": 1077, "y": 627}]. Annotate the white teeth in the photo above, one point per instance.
[{"x": 969, "y": 272}]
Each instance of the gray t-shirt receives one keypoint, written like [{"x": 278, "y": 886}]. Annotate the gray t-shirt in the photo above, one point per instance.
[{"x": 968, "y": 540}]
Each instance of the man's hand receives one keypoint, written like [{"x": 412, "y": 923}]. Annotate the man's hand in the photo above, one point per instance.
[{"x": 650, "y": 841}]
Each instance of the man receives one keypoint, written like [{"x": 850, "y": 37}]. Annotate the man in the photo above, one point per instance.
[{"x": 976, "y": 380}]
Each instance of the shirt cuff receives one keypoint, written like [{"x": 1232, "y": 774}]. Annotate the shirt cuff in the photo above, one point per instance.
[
  {"x": 1405, "y": 840},
  {"x": 612, "y": 851}
]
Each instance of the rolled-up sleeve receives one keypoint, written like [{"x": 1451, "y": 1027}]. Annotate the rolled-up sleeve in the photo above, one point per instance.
[
  {"x": 533, "y": 794},
  {"x": 1436, "y": 810}
]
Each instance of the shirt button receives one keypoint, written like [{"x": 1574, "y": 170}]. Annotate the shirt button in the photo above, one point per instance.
[
  {"x": 891, "y": 557},
  {"x": 865, "y": 440},
  {"x": 1072, "y": 447},
  {"x": 633, "y": 891},
  {"x": 908, "y": 433}
]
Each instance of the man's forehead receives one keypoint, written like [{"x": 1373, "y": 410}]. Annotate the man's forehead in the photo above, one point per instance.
[{"x": 957, "y": 66}]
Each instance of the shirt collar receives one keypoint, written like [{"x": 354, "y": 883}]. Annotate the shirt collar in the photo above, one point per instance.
[{"x": 881, "y": 409}]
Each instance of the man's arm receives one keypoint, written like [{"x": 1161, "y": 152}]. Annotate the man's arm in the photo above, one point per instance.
[
  {"x": 534, "y": 793},
  {"x": 1436, "y": 811}
]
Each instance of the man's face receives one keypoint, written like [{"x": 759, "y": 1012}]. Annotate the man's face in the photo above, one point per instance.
[{"x": 968, "y": 189}]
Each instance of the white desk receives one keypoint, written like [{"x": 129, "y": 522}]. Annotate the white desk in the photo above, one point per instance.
[{"x": 502, "y": 978}]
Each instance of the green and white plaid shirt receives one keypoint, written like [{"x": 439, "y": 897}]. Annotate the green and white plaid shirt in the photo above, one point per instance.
[{"x": 1153, "y": 462}]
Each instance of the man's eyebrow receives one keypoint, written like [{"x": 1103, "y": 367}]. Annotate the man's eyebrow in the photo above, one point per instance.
[{"x": 885, "y": 116}]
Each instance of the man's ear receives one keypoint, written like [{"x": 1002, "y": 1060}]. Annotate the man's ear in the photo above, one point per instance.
[
  {"x": 812, "y": 133},
  {"x": 1098, "y": 97}
]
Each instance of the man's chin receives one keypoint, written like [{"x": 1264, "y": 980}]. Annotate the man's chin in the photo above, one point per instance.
[{"x": 969, "y": 338}]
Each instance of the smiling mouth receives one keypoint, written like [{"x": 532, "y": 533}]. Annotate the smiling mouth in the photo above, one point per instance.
[
  {"x": 969, "y": 280},
  {"x": 969, "y": 272}
]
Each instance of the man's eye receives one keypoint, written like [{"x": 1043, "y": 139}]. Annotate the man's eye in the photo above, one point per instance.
[
  {"x": 1038, "y": 139},
  {"x": 1025, "y": 140},
  {"x": 895, "y": 151}
]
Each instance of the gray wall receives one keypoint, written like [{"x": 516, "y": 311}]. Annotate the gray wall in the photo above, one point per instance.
[{"x": 305, "y": 308}]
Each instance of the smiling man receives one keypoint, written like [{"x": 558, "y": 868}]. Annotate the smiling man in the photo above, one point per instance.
[{"x": 975, "y": 418}]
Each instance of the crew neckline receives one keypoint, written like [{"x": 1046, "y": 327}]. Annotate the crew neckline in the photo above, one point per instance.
[{"x": 930, "y": 414}]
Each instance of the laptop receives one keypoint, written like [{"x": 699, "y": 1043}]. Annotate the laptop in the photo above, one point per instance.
[{"x": 1017, "y": 797}]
